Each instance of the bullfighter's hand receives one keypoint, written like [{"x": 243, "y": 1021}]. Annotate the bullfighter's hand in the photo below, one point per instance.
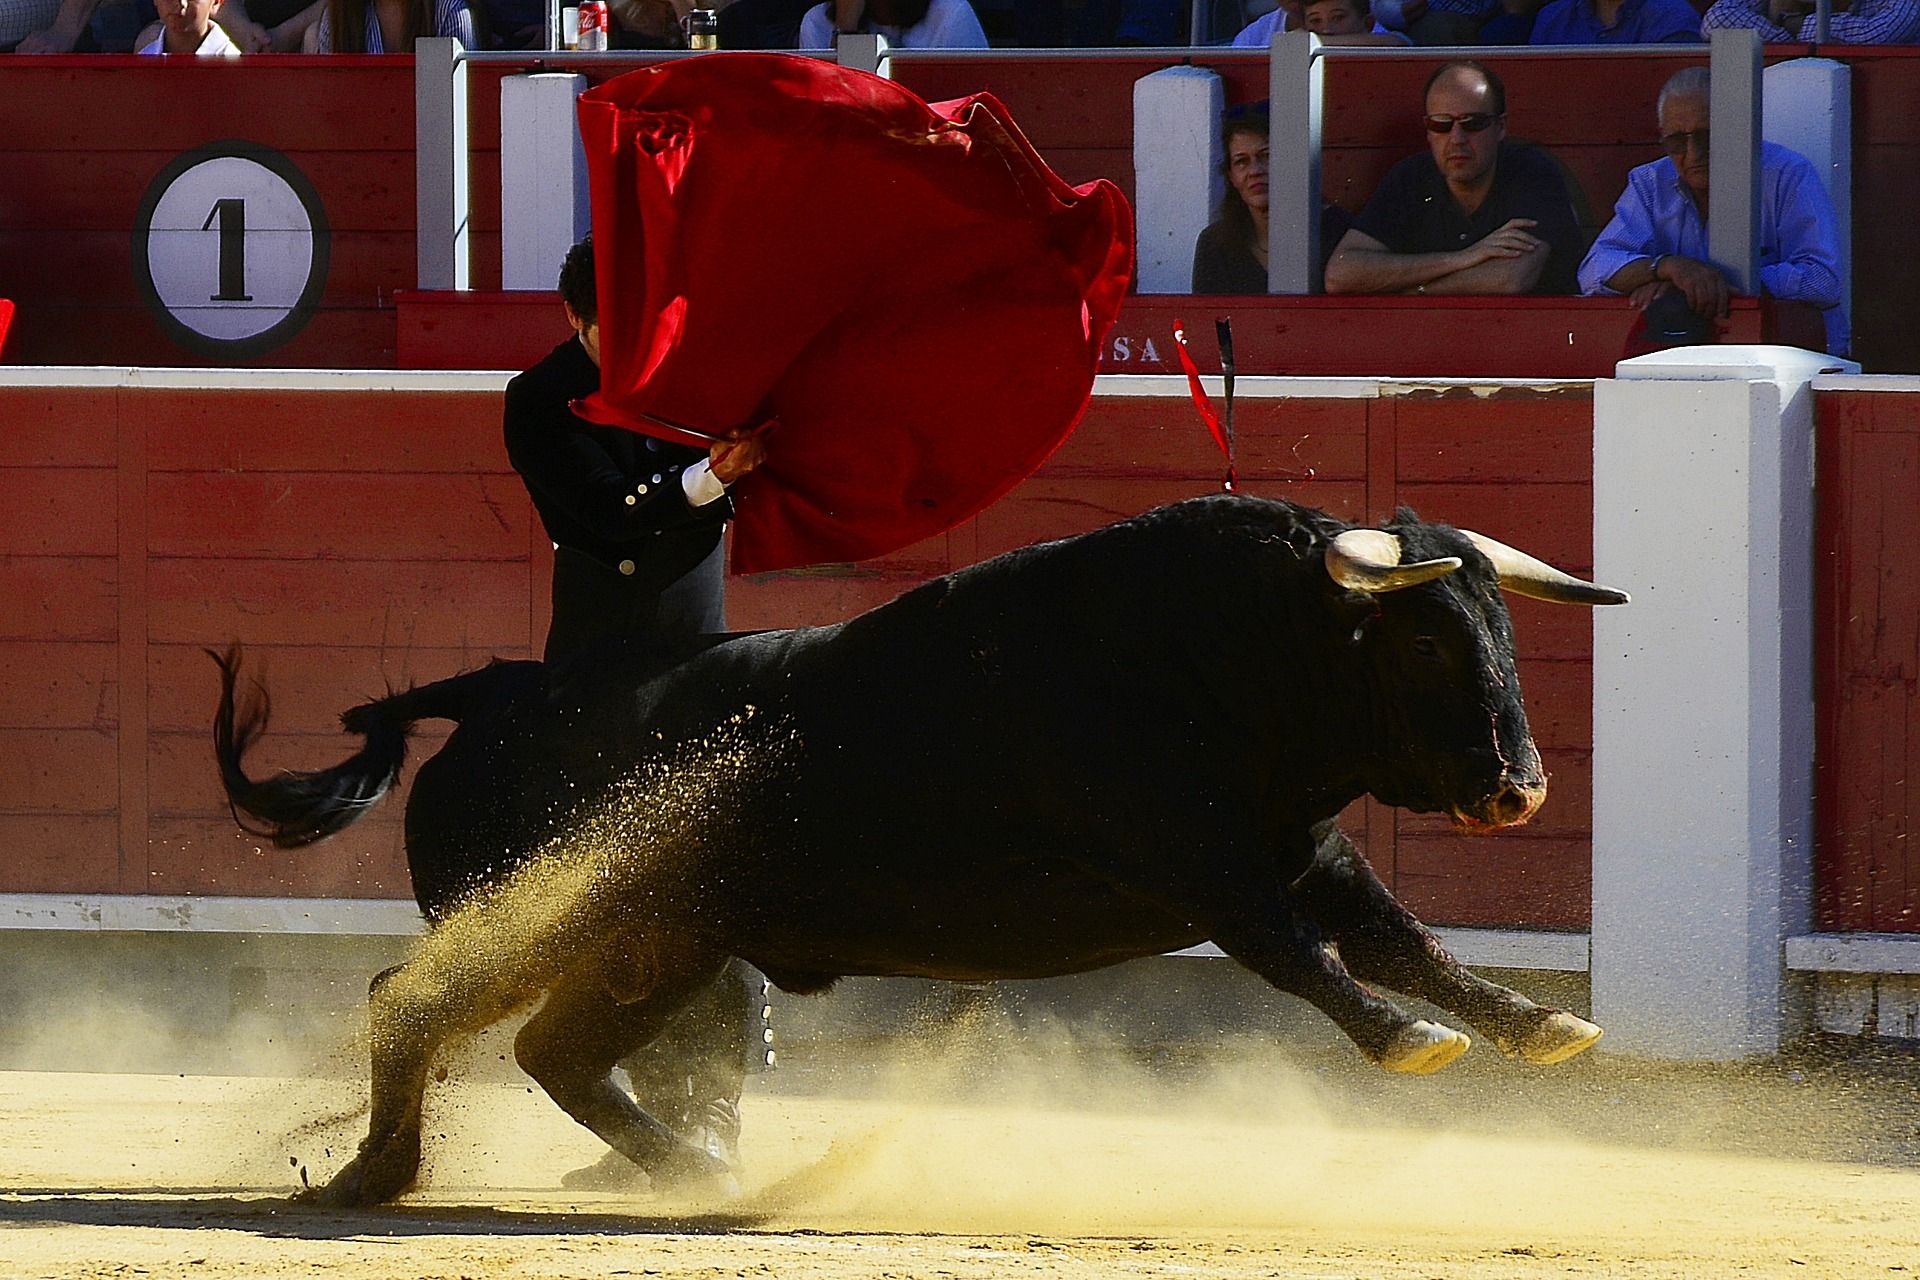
[
  {"x": 1706, "y": 289},
  {"x": 734, "y": 455}
]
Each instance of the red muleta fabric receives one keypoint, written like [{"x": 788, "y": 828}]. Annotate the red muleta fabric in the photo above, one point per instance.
[{"x": 906, "y": 290}]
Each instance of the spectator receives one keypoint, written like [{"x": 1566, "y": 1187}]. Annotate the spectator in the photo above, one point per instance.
[
  {"x": 1473, "y": 214},
  {"x": 110, "y": 26},
  {"x": 188, "y": 26},
  {"x": 513, "y": 24},
  {"x": 22, "y": 19},
  {"x": 1616, "y": 22},
  {"x": 387, "y": 26},
  {"x": 1788, "y": 21},
  {"x": 907, "y": 24},
  {"x": 1437, "y": 22},
  {"x": 89, "y": 26},
  {"x": 762, "y": 24},
  {"x": 644, "y": 24},
  {"x": 1655, "y": 250},
  {"x": 1230, "y": 256},
  {"x": 286, "y": 20},
  {"x": 1334, "y": 21}
]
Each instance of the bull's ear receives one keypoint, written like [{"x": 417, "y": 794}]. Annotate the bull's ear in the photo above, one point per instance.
[
  {"x": 1369, "y": 560},
  {"x": 1523, "y": 575}
]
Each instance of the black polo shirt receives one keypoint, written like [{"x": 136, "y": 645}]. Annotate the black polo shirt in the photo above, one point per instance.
[{"x": 1414, "y": 212}]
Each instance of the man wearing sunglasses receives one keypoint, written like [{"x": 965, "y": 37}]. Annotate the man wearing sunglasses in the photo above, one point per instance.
[
  {"x": 1654, "y": 251},
  {"x": 1475, "y": 214}
]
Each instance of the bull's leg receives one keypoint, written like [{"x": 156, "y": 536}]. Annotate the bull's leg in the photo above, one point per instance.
[
  {"x": 413, "y": 1009},
  {"x": 1270, "y": 934},
  {"x": 589, "y": 1024},
  {"x": 1381, "y": 941}
]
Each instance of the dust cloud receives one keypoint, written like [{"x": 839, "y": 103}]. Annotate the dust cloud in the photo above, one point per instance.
[{"x": 978, "y": 1129}]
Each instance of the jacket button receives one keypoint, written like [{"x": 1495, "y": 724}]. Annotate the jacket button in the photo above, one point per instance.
[
  {"x": 656, "y": 479},
  {"x": 631, "y": 500},
  {"x": 653, "y": 444},
  {"x": 641, "y": 489},
  {"x": 626, "y": 567}
]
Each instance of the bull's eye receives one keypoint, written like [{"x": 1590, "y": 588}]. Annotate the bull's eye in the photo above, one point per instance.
[{"x": 1427, "y": 647}]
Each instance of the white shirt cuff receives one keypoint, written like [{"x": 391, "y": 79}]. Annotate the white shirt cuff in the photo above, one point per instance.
[{"x": 701, "y": 485}]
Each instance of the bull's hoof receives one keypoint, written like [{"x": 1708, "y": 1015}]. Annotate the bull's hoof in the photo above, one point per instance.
[
  {"x": 1423, "y": 1047},
  {"x": 690, "y": 1173},
  {"x": 611, "y": 1172},
  {"x": 370, "y": 1178},
  {"x": 1553, "y": 1039}
]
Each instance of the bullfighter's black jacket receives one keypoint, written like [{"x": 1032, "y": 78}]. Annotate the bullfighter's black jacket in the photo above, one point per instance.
[{"x": 611, "y": 501}]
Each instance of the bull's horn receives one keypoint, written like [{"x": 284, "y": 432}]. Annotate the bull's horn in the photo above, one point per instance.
[
  {"x": 1369, "y": 560},
  {"x": 1521, "y": 574}
]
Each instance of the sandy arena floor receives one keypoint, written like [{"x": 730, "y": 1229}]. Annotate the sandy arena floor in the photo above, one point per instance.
[{"x": 1264, "y": 1169}]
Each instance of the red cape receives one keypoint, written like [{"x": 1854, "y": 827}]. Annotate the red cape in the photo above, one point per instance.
[{"x": 906, "y": 289}]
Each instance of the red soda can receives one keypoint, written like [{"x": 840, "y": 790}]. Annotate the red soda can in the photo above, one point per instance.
[{"x": 593, "y": 26}]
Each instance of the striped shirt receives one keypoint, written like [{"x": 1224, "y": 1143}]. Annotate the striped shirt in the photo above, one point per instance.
[{"x": 450, "y": 18}]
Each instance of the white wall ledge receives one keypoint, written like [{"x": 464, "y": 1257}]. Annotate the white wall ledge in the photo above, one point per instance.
[
  {"x": 1854, "y": 953},
  {"x": 396, "y": 917},
  {"x": 1491, "y": 949},
  {"x": 133, "y": 913},
  {"x": 491, "y": 382},
  {"x": 1906, "y": 382}
]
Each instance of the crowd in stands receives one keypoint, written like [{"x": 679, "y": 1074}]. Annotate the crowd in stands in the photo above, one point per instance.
[
  {"x": 1477, "y": 214},
  {"x": 1474, "y": 213},
  {"x": 375, "y": 26}
]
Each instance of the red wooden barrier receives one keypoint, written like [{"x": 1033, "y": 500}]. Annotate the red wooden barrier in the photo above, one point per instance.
[
  {"x": 355, "y": 540},
  {"x": 1867, "y": 656},
  {"x": 1530, "y": 338}
]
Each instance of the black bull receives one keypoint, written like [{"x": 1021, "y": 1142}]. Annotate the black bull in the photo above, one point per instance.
[{"x": 1116, "y": 745}]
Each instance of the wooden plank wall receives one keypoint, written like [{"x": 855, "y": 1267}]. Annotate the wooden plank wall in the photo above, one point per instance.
[
  {"x": 358, "y": 540},
  {"x": 1867, "y": 662},
  {"x": 354, "y": 543}
]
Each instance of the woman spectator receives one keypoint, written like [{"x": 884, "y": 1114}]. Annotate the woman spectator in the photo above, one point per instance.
[
  {"x": 387, "y": 26},
  {"x": 906, "y": 24},
  {"x": 1230, "y": 256}
]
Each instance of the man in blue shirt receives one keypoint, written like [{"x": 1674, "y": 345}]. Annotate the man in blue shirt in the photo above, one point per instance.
[
  {"x": 1655, "y": 249},
  {"x": 1616, "y": 22}
]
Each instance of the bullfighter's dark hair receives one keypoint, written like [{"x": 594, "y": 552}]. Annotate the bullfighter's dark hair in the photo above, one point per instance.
[
  {"x": 1496, "y": 88},
  {"x": 576, "y": 282}
]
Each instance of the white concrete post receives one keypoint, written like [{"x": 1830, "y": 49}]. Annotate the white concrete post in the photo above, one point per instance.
[
  {"x": 1808, "y": 106},
  {"x": 1296, "y": 76},
  {"x": 543, "y": 178},
  {"x": 865, "y": 52},
  {"x": 441, "y": 196},
  {"x": 1733, "y": 168},
  {"x": 1703, "y": 697},
  {"x": 1176, "y": 169}
]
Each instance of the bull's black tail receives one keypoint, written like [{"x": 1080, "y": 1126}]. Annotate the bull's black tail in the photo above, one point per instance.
[{"x": 295, "y": 809}]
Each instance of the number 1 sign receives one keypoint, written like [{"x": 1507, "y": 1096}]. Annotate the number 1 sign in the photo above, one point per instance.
[{"x": 230, "y": 250}]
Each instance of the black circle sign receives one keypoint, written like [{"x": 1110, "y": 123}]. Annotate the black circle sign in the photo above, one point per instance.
[{"x": 230, "y": 249}]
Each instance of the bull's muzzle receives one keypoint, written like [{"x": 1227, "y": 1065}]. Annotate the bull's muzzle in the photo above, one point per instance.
[{"x": 1509, "y": 806}]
